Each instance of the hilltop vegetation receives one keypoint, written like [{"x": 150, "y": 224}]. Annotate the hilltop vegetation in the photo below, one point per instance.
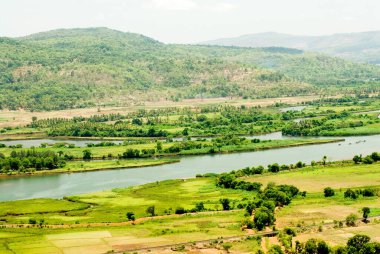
[{"x": 98, "y": 66}]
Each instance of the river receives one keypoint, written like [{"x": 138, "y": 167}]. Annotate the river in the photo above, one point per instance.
[{"x": 59, "y": 185}]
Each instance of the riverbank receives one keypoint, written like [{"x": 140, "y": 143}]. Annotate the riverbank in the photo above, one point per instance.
[{"x": 88, "y": 166}]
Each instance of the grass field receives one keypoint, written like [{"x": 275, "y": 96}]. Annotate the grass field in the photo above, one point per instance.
[
  {"x": 111, "y": 206},
  {"x": 316, "y": 179},
  {"x": 370, "y": 129}
]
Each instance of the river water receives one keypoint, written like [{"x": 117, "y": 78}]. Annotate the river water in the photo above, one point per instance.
[{"x": 59, "y": 185}]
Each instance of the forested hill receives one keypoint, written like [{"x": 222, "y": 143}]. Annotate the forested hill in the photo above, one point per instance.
[
  {"x": 86, "y": 67},
  {"x": 361, "y": 47}
]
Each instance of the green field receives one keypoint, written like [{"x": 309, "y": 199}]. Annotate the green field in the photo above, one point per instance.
[{"x": 315, "y": 179}]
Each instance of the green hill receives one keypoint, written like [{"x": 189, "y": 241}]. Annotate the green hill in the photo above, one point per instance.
[{"x": 69, "y": 68}]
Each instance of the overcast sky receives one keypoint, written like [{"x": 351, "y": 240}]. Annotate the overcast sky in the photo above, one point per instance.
[{"x": 187, "y": 21}]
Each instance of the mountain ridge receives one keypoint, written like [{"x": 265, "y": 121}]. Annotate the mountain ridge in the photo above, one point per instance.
[{"x": 361, "y": 47}]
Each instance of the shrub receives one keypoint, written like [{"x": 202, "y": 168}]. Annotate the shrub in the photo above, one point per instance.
[
  {"x": 351, "y": 220},
  {"x": 329, "y": 192}
]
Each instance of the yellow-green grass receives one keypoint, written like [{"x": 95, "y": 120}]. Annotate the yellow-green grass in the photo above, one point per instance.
[
  {"x": 112, "y": 205},
  {"x": 38, "y": 206},
  {"x": 370, "y": 129},
  {"x": 315, "y": 179}
]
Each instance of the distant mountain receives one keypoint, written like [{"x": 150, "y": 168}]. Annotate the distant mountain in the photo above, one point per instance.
[
  {"x": 69, "y": 68},
  {"x": 362, "y": 47}
]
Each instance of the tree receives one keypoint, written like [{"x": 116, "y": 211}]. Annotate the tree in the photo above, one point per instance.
[
  {"x": 368, "y": 160},
  {"x": 151, "y": 210},
  {"x": 366, "y": 211},
  {"x": 185, "y": 132},
  {"x": 180, "y": 210},
  {"x": 275, "y": 249},
  {"x": 130, "y": 216},
  {"x": 225, "y": 203},
  {"x": 199, "y": 207},
  {"x": 356, "y": 243},
  {"x": 350, "y": 194},
  {"x": 357, "y": 159},
  {"x": 227, "y": 247},
  {"x": 136, "y": 121},
  {"x": 324, "y": 159},
  {"x": 329, "y": 192},
  {"x": 159, "y": 146},
  {"x": 274, "y": 168},
  {"x": 87, "y": 155},
  {"x": 263, "y": 217}
]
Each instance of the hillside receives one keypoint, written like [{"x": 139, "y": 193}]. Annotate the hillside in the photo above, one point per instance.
[
  {"x": 70, "y": 68},
  {"x": 361, "y": 47}
]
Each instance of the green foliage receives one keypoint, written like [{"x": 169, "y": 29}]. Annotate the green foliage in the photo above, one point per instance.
[
  {"x": 30, "y": 159},
  {"x": 90, "y": 67},
  {"x": 328, "y": 192}
]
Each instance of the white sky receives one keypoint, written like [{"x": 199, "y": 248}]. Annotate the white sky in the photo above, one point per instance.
[{"x": 187, "y": 21}]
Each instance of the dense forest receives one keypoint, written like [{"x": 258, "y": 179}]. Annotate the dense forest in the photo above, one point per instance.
[{"x": 98, "y": 66}]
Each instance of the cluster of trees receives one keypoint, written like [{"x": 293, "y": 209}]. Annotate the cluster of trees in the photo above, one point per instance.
[
  {"x": 230, "y": 178},
  {"x": 263, "y": 208},
  {"x": 30, "y": 159},
  {"x": 369, "y": 159},
  {"x": 353, "y": 194},
  {"x": 88, "y": 129}
]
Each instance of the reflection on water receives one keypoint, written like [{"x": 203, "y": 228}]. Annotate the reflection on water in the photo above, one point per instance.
[{"x": 68, "y": 184}]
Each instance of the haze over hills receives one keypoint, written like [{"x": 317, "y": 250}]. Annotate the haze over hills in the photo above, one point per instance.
[
  {"x": 69, "y": 68},
  {"x": 362, "y": 47}
]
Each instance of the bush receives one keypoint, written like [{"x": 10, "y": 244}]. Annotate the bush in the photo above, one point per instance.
[
  {"x": 329, "y": 192},
  {"x": 368, "y": 160},
  {"x": 130, "y": 216},
  {"x": 351, "y": 220},
  {"x": 180, "y": 210},
  {"x": 350, "y": 194}
]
